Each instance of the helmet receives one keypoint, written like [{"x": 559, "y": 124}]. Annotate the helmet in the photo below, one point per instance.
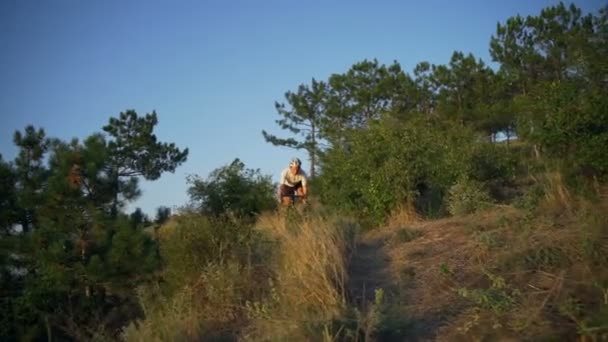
[{"x": 295, "y": 162}]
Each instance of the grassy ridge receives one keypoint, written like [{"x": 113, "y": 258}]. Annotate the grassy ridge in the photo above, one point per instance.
[{"x": 534, "y": 270}]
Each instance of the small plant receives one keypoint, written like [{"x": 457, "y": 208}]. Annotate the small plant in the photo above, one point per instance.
[
  {"x": 593, "y": 326},
  {"x": 489, "y": 239},
  {"x": 373, "y": 316},
  {"x": 406, "y": 235},
  {"x": 263, "y": 309},
  {"x": 571, "y": 308},
  {"x": 531, "y": 198},
  {"x": 445, "y": 269},
  {"x": 409, "y": 273},
  {"x": 545, "y": 257},
  {"x": 594, "y": 250},
  {"x": 498, "y": 297},
  {"x": 474, "y": 227},
  {"x": 497, "y": 301},
  {"x": 466, "y": 197}
]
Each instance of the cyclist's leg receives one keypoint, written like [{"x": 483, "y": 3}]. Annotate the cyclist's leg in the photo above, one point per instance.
[
  {"x": 287, "y": 200},
  {"x": 299, "y": 191},
  {"x": 287, "y": 194}
]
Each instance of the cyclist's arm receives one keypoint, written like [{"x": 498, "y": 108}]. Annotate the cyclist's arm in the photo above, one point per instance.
[
  {"x": 304, "y": 186},
  {"x": 281, "y": 182}
]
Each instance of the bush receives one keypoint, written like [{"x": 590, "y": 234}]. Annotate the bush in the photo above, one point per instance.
[
  {"x": 226, "y": 280},
  {"x": 531, "y": 198},
  {"x": 211, "y": 268},
  {"x": 492, "y": 162},
  {"x": 233, "y": 190},
  {"x": 393, "y": 163},
  {"x": 570, "y": 125},
  {"x": 466, "y": 197},
  {"x": 198, "y": 241}
]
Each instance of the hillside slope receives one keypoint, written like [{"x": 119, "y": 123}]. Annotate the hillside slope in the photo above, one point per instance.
[{"x": 504, "y": 274}]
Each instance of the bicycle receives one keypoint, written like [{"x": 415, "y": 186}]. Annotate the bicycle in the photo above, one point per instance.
[
  {"x": 296, "y": 203},
  {"x": 298, "y": 200}
]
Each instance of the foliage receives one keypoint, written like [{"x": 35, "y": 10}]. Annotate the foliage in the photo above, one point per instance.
[
  {"x": 304, "y": 118},
  {"x": 391, "y": 163},
  {"x": 466, "y": 197},
  {"x": 223, "y": 278},
  {"x": 570, "y": 124},
  {"x": 8, "y": 197},
  {"x": 493, "y": 163},
  {"x": 30, "y": 174},
  {"x": 233, "y": 190},
  {"x": 379, "y": 140},
  {"x": 464, "y": 91},
  {"x": 139, "y": 219},
  {"x": 211, "y": 267},
  {"x": 73, "y": 257},
  {"x": 162, "y": 215},
  {"x": 134, "y": 151},
  {"x": 547, "y": 92},
  {"x": 406, "y": 234},
  {"x": 554, "y": 62},
  {"x": 365, "y": 93},
  {"x": 499, "y": 297}
]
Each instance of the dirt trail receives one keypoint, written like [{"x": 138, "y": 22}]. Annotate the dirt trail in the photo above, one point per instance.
[
  {"x": 415, "y": 307},
  {"x": 369, "y": 270}
]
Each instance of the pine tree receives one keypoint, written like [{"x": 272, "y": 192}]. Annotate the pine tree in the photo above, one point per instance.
[{"x": 302, "y": 118}]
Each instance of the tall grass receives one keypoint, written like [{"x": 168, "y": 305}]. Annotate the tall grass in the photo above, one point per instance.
[
  {"x": 283, "y": 278},
  {"x": 211, "y": 268},
  {"x": 557, "y": 197},
  {"x": 309, "y": 291}
]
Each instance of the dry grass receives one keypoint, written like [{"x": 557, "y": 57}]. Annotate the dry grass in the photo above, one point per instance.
[
  {"x": 286, "y": 283},
  {"x": 506, "y": 273},
  {"x": 558, "y": 198},
  {"x": 404, "y": 214},
  {"x": 170, "y": 319},
  {"x": 501, "y": 274},
  {"x": 210, "y": 269},
  {"x": 310, "y": 277}
]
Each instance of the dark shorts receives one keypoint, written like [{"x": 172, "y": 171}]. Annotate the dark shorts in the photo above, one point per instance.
[{"x": 289, "y": 191}]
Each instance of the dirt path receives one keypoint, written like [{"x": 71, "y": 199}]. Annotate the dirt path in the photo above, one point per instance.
[
  {"x": 402, "y": 270},
  {"x": 369, "y": 270}
]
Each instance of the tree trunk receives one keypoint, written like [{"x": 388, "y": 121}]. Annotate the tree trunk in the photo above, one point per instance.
[
  {"x": 25, "y": 225},
  {"x": 536, "y": 152},
  {"x": 83, "y": 256},
  {"x": 49, "y": 332},
  {"x": 115, "y": 189},
  {"x": 313, "y": 152}
]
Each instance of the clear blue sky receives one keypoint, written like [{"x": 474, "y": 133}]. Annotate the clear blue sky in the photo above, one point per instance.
[{"x": 212, "y": 69}]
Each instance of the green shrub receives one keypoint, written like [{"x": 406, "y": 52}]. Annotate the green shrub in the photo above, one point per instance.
[
  {"x": 198, "y": 241},
  {"x": 570, "y": 125},
  {"x": 393, "y": 162},
  {"x": 233, "y": 190},
  {"x": 498, "y": 297},
  {"x": 211, "y": 268},
  {"x": 531, "y": 198},
  {"x": 492, "y": 162},
  {"x": 489, "y": 239},
  {"x": 546, "y": 258},
  {"x": 467, "y": 197}
]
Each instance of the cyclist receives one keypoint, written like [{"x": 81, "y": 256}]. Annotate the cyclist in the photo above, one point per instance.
[{"x": 293, "y": 183}]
